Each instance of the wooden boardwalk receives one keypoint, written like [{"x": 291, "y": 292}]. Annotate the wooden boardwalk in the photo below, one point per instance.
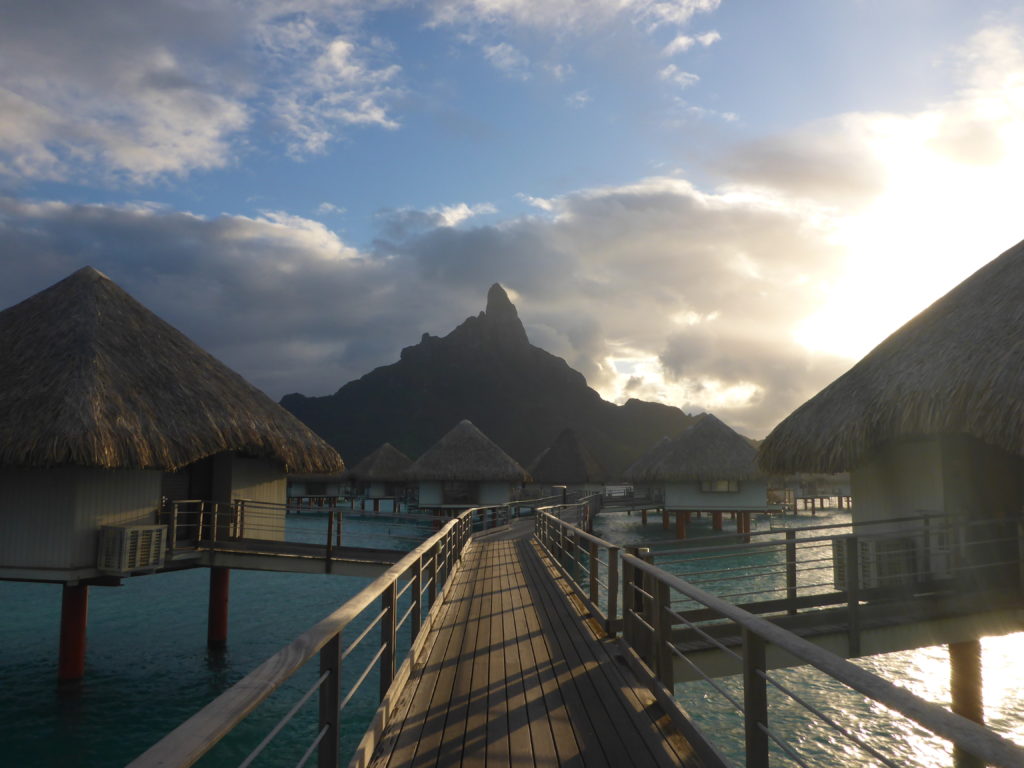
[{"x": 513, "y": 675}]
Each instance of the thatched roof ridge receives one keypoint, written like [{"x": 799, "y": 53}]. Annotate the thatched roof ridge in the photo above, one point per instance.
[
  {"x": 386, "y": 464},
  {"x": 956, "y": 368},
  {"x": 635, "y": 471},
  {"x": 708, "y": 450},
  {"x": 465, "y": 453},
  {"x": 89, "y": 376},
  {"x": 567, "y": 460}
]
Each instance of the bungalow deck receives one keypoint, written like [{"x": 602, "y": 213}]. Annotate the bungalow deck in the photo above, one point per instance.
[{"x": 511, "y": 676}]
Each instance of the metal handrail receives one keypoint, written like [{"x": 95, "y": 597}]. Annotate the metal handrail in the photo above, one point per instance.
[
  {"x": 969, "y": 736},
  {"x": 192, "y": 739},
  {"x": 550, "y": 532}
]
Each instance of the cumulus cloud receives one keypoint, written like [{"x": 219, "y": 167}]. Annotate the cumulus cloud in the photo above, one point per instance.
[
  {"x": 563, "y": 14},
  {"x": 682, "y": 43},
  {"x": 142, "y": 90},
  {"x": 508, "y": 59},
  {"x": 673, "y": 74}
]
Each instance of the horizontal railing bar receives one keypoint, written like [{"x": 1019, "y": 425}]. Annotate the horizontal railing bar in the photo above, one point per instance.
[
  {"x": 366, "y": 671},
  {"x": 369, "y": 627},
  {"x": 401, "y": 621},
  {"x": 713, "y": 640},
  {"x": 710, "y": 681},
  {"x": 783, "y": 745},
  {"x": 190, "y": 740},
  {"x": 971, "y": 736},
  {"x": 284, "y": 721},
  {"x": 313, "y": 746}
]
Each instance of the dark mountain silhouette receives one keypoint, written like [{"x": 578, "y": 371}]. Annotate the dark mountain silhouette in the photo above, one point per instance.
[{"x": 486, "y": 371}]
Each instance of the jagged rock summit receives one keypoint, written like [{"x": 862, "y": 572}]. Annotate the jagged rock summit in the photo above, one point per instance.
[{"x": 486, "y": 371}]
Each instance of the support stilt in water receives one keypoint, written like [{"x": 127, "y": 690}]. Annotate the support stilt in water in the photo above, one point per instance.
[
  {"x": 681, "y": 524},
  {"x": 74, "y": 614},
  {"x": 716, "y": 521},
  {"x": 643, "y": 516},
  {"x": 965, "y": 689},
  {"x": 664, "y": 519},
  {"x": 217, "y": 617}
]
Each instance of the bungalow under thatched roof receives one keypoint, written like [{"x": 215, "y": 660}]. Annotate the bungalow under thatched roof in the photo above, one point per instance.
[
  {"x": 635, "y": 471},
  {"x": 466, "y": 454},
  {"x": 708, "y": 450},
  {"x": 956, "y": 368},
  {"x": 567, "y": 460},
  {"x": 89, "y": 376},
  {"x": 387, "y": 464}
]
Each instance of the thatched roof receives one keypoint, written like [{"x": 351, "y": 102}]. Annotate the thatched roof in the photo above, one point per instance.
[
  {"x": 636, "y": 471},
  {"x": 466, "y": 454},
  {"x": 708, "y": 450},
  {"x": 387, "y": 464},
  {"x": 89, "y": 376},
  {"x": 567, "y": 460},
  {"x": 956, "y": 368}
]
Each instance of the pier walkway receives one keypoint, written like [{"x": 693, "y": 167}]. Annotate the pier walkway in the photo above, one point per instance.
[{"x": 511, "y": 676}]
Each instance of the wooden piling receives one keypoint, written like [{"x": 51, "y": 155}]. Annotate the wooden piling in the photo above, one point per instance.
[
  {"x": 965, "y": 685},
  {"x": 74, "y": 614},
  {"x": 664, "y": 519},
  {"x": 716, "y": 521},
  {"x": 681, "y": 524},
  {"x": 217, "y": 615}
]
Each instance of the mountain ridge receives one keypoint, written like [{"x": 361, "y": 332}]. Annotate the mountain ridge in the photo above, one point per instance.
[{"x": 487, "y": 371}]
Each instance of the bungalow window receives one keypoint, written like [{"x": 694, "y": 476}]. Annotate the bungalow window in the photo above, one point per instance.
[
  {"x": 458, "y": 492},
  {"x": 719, "y": 486},
  {"x": 316, "y": 489}
]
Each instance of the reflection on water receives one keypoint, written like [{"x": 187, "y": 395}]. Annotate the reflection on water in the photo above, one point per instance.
[{"x": 923, "y": 671}]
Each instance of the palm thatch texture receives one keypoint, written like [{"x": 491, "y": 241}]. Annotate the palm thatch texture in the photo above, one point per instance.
[
  {"x": 89, "y": 376},
  {"x": 708, "y": 450},
  {"x": 466, "y": 454},
  {"x": 956, "y": 368},
  {"x": 567, "y": 461},
  {"x": 387, "y": 464},
  {"x": 636, "y": 471}
]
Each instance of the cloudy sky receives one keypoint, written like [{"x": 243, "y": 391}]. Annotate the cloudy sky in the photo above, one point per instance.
[{"x": 718, "y": 204}]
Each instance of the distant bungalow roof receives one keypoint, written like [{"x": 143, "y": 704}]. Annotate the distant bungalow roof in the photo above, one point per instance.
[
  {"x": 385, "y": 464},
  {"x": 956, "y": 368},
  {"x": 635, "y": 472},
  {"x": 707, "y": 450},
  {"x": 89, "y": 376},
  {"x": 465, "y": 453},
  {"x": 567, "y": 460}
]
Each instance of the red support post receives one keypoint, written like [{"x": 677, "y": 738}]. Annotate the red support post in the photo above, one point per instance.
[
  {"x": 716, "y": 521},
  {"x": 74, "y": 614},
  {"x": 681, "y": 524},
  {"x": 217, "y": 617}
]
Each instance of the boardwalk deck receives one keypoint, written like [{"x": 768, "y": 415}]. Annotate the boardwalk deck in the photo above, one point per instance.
[{"x": 513, "y": 676}]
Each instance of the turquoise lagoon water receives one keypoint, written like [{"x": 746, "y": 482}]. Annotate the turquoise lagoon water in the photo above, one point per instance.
[
  {"x": 924, "y": 671},
  {"x": 148, "y": 669}
]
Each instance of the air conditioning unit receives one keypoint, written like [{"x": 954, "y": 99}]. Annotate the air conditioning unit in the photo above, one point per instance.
[
  {"x": 884, "y": 561},
  {"x": 126, "y": 549}
]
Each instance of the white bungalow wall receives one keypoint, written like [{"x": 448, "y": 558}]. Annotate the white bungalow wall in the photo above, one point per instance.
[
  {"x": 431, "y": 492},
  {"x": 751, "y": 493},
  {"x": 51, "y": 517},
  {"x": 260, "y": 480},
  {"x": 494, "y": 493},
  {"x": 953, "y": 474}
]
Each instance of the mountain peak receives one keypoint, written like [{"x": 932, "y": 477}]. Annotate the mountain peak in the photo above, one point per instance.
[{"x": 501, "y": 316}]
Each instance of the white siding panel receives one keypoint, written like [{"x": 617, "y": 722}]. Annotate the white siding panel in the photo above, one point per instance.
[{"x": 751, "y": 493}]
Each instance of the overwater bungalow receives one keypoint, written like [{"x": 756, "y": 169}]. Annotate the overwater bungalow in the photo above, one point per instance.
[
  {"x": 381, "y": 475},
  {"x": 106, "y": 411},
  {"x": 636, "y": 473},
  {"x": 708, "y": 468},
  {"x": 932, "y": 419},
  {"x": 568, "y": 462},
  {"x": 466, "y": 468},
  {"x": 311, "y": 488}
]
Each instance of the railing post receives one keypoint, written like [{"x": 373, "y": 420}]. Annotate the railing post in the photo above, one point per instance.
[
  {"x": 416, "y": 616},
  {"x": 241, "y": 519},
  {"x": 199, "y": 526},
  {"x": 755, "y": 700},
  {"x": 592, "y": 554},
  {"x": 174, "y": 525},
  {"x": 628, "y": 577},
  {"x": 853, "y": 595},
  {"x": 330, "y": 662},
  {"x": 388, "y": 636},
  {"x": 791, "y": 571},
  {"x": 661, "y": 604},
  {"x": 613, "y": 588},
  {"x": 432, "y": 573},
  {"x": 330, "y": 532}
]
